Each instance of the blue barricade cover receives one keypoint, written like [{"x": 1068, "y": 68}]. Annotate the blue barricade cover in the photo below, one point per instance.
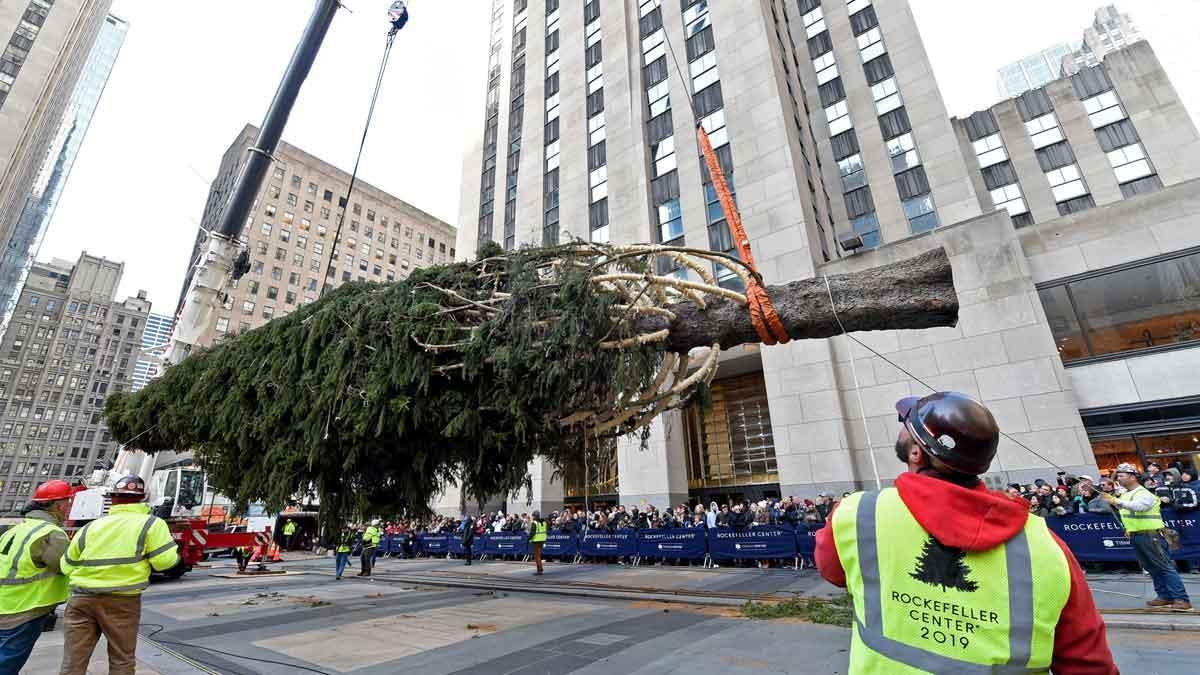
[
  {"x": 615, "y": 543},
  {"x": 756, "y": 543},
  {"x": 396, "y": 543},
  {"x": 456, "y": 546},
  {"x": 433, "y": 544},
  {"x": 689, "y": 544},
  {"x": 502, "y": 543},
  {"x": 1100, "y": 538},
  {"x": 806, "y": 541},
  {"x": 561, "y": 544}
]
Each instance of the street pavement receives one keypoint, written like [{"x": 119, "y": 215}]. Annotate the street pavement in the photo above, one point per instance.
[{"x": 306, "y": 622}]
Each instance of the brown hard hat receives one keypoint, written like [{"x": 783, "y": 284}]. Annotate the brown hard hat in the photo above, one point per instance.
[{"x": 955, "y": 428}]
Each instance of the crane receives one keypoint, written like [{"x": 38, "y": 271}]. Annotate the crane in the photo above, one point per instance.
[{"x": 176, "y": 488}]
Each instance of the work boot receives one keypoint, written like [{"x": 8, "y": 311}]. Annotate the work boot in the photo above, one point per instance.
[
  {"x": 1181, "y": 604},
  {"x": 1157, "y": 602}
]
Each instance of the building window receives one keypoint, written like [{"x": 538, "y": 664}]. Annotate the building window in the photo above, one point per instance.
[
  {"x": 853, "y": 173},
  {"x": 731, "y": 442},
  {"x": 990, "y": 150},
  {"x": 921, "y": 214},
  {"x": 223, "y": 325},
  {"x": 1044, "y": 130},
  {"x": 1147, "y": 305},
  {"x": 1129, "y": 163},
  {"x": 903, "y": 151},
  {"x": 1066, "y": 183},
  {"x": 1104, "y": 109},
  {"x": 867, "y": 226}
]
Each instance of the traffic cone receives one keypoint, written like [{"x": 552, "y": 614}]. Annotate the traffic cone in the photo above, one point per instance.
[{"x": 273, "y": 554}]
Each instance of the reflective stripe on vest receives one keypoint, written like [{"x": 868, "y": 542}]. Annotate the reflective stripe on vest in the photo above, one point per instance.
[
  {"x": 888, "y": 637},
  {"x": 26, "y": 585},
  {"x": 10, "y": 578},
  {"x": 140, "y": 552},
  {"x": 1144, "y": 521},
  {"x": 539, "y": 533}
]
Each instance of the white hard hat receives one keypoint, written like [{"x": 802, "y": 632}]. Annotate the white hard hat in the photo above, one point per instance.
[
  {"x": 375, "y": 522},
  {"x": 1126, "y": 468}
]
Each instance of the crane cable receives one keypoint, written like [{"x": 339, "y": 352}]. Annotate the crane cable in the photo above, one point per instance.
[{"x": 387, "y": 53}]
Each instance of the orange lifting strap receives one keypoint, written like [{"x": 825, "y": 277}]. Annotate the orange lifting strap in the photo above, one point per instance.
[{"x": 763, "y": 316}]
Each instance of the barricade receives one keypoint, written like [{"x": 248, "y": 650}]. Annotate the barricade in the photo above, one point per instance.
[
  {"x": 672, "y": 544},
  {"x": 502, "y": 544},
  {"x": 433, "y": 544},
  {"x": 561, "y": 544},
  {"x": 1100, "y": 538},
  {"x": 806, "y": 544},
  {"x": 764, "y": 542},
  {"x": 618, "y": 543}
]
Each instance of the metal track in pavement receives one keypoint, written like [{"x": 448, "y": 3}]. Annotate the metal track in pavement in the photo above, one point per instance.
[{"x": 490, "y": 582}]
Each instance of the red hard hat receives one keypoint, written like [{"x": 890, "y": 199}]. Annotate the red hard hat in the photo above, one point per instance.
[
  {"x": 52, "y": 491},
  {"x": 129, "y": 486}
]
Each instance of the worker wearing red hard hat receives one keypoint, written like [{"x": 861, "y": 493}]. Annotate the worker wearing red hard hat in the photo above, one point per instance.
[
  {"x": 947, "y": 576},
  {"x": 108, "y": 565},
  {"x": 33, "y": 584}
]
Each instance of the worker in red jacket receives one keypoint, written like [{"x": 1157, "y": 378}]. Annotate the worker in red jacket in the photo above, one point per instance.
[{"x": 947, "y": 576}]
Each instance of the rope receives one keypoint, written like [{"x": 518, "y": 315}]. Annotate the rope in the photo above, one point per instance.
[
  {"x": 387, "y": 52},
  {"x": 862, "y": 410},
  {"x": 766, "y": 321},
  {"x": 763, "y": 316}
]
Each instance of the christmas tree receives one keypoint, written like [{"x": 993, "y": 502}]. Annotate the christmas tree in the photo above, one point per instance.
[{"x": 940, "y": 565}]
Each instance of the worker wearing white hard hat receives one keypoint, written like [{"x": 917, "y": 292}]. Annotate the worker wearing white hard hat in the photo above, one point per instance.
[
  {"x": 1140, "y": 512},
  {"x": 370, "y": 544}
]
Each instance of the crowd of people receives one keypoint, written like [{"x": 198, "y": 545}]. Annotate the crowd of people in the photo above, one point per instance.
[{"x": 1176, "y": 487}]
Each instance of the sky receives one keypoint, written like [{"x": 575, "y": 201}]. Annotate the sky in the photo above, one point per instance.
[{"x": 186, "y": 83}]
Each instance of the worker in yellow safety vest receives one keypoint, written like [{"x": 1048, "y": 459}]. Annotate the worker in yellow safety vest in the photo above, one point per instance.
[
  {"x": 108, "y": 565},
  {"x": 947, "y": 576},
  {"x": 370, "y": 544},
  {"x": 537, "y": 539},
  {"x": 1141, "y": 512},
  {"x": 31, "y": 585},
  {"x": 289, "y": 532}
]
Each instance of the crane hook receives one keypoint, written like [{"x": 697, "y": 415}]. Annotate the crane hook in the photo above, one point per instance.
[{"x": 398, "y": 15}]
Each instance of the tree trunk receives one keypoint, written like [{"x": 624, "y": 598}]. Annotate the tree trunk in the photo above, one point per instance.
[{"x": 910, "y": 294}]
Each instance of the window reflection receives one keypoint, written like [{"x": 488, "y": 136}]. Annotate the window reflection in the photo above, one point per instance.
[{"x": 1148, "y": 306}]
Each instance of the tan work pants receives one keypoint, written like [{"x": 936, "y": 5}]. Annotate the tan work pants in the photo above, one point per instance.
[{"x": 89, "y": 616}]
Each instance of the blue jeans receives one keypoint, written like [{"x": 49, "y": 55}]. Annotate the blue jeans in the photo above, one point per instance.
[
  {"x": 343, "y": 559},
  {"x": 1152, "y": 555},
  {"x": 17, "y": 643}
]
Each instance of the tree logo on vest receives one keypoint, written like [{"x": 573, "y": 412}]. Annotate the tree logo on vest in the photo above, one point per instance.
[{"x": 940, "y": 565}]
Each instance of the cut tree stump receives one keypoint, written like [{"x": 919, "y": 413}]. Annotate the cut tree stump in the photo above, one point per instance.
[{"x": 910, "y": 294}]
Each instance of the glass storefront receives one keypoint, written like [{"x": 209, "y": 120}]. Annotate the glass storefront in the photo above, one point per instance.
[
  {"x": 595, "y": 482},
  {"x": 1147, "y": 305},
  {"x": 1162, "y": 431},
  {"x": 730, "y": 447}
]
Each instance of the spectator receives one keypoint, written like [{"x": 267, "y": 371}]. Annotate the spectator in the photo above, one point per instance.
[
  {"x": 824, "y": 504},
  {"x": 1085, "y": 492},
  {"x": 1153, "y": 472},
  {"x": 711, "y": 516},
  {"x": 725, "y": 517}
]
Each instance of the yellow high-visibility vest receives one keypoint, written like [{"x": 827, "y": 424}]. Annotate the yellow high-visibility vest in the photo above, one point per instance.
[
  {"x": 372, "y": 536},
  {"x": 920, "y": 607},
  {"x": 24, "y": 585},
  {"x": 115, "y": 554},
  {"x": 539, "y": 533},
  {"x": 1145, "y": 520}
]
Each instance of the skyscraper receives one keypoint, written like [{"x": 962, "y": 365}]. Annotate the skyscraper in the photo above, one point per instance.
[
  {"x": 70, "y": 345},
  {"x": 52, "y": 74},
  {"x": 1033, "y": 71},
  {"x": 833, "y": 133},
  {"x": 1110, "y": 30},
  {"x": 154, "y": 343}
]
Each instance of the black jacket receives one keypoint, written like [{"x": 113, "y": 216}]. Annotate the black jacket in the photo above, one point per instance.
[{"x": 468, "y": 533}]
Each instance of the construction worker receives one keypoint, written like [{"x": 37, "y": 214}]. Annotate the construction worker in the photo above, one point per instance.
[
  {"x": 1140, "y": 512},
  {"x": 33, "y": 584},
  {"x": 370, "y": 545},
  {"x": 537, "y": 539},
  {"x": 108, "y": 565},
  {"x": 343, "y": 545},
  {"x": 289, "y": 532},
  {"x": 947, "y": 576}
]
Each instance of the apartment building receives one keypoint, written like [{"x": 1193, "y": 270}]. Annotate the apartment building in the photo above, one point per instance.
[
  {"x": 290, "y": 236},
  {"x": 69, "y": 346}
]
